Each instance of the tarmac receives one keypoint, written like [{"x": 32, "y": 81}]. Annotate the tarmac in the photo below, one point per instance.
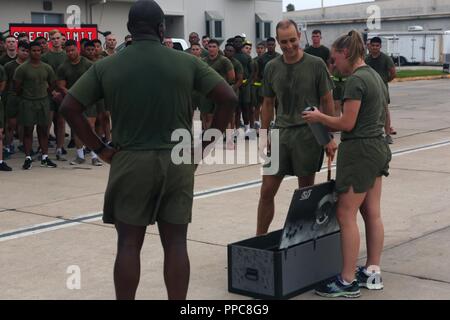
[{"x": 50, "y": 221}]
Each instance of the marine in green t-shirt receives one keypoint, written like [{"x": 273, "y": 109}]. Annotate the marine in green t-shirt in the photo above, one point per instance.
[
  {"x": 296, "y": 80},
  {"x": 384, "y": 66},
  {"x": 316, "y": 48},
  {"x": 54, "y": 59},
  {"x": 296, "y": 87},
  {"x": 33, "y": 80},
  {"x": 321, "y": 52},
  {"x": 3, "y": 78},
  {"x": 149, "y": 88},
  {"x": 222, "y": 66}
]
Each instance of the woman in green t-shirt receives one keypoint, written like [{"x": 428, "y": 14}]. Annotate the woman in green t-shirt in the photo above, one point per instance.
[{"x": 363, "y": 159}]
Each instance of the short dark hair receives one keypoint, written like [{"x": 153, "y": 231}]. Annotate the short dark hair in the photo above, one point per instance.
[
  {"x": 195, "y": 44},
  {"x": 35, "y": 44},
  {"x": 214, "y": 41},
  {"x": 71, "y": 43},
  {"x": 375, "y": 40},
  {"x": 284, "y": 24},
  {"x": 204, "y": 37},
  {"x": 89, "y": 43},
  {"x": 262, "y": 44},
  {"x": 10, "y": 36},
  {"x": 22, "y": 34},
  {"x": 145, "y": 17},
  {"x": 96, "y": 41},
  {"x": 270, "y": 40},
  {"x": 23, "y": 44},
  {"x": 41, "y": 38},
  {"x": 83, "y": 41},
  {"x": 317, "y": 31}
]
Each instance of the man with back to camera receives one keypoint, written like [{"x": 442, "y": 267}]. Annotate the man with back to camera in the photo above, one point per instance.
[{"x": 145, "y": 186}]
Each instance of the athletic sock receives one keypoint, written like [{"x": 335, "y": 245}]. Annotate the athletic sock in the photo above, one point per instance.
[{"x": 80, "y": 153}]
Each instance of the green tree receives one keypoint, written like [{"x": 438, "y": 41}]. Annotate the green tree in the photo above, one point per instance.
[{"x": 290, "y": 7}]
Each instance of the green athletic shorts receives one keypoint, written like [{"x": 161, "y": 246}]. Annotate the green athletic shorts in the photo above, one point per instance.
[
  {"x": 299, "y": 153},
  {"x": 360, "y": 162},
  {"x": 145, "y": 187},
  {"x": 12, "y": 106},
  {"x": 2, "y": 116},
  {"x": 34, "y": 112}
]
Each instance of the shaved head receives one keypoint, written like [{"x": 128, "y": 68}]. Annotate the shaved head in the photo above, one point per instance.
[{"x": 146, "y": 17}]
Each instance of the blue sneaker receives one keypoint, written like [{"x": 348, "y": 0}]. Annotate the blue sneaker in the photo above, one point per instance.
[
  {"x": 334, "y": 288},
  {"x": 372, "y": 281}
]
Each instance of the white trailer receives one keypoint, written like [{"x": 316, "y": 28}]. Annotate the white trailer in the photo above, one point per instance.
[{"x": 416, "y": 47}]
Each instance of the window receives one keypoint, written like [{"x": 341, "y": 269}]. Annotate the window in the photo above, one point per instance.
[
  {"x": 47, "y": 18},
  {"x": 218, "y": 29},
  {"x": 263, "y": 27},
  {"x": 267, "y": 31},
  {"x": 214, "y": 24}
]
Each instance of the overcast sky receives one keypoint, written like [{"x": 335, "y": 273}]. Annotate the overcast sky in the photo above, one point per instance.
[{"x": 309, "y": 4}]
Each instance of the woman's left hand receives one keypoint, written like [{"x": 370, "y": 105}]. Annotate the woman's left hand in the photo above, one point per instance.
[{"x": 312, "y": 116}]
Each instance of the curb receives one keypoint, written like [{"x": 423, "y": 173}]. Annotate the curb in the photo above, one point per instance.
[{"x": 421, "y": 78}]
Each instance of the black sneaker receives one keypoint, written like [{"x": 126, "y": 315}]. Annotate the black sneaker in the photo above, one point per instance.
[
  {"x": 5, "y": 167},
  {"x": 48, "y": 163},
  {"x": 51, "y": 137},
  {"x": 334, "y": 288},
  {"x": 71, "y": 144},
  {"x": 6, "y": 154},
  {"x": 64, "y": 151},
  {"x": 371, "y": 282},
  {"x": 27, "y": 164}
]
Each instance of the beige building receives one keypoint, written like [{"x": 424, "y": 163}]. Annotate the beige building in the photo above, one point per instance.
[{"x": 218, "y": 18}]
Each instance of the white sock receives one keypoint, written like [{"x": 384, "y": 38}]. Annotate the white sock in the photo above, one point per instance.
[
  {"x": 80, "y": 153},
  {"x": 345, "y": 283},
  {"x": 94, "y": 155},
  {"x": 247, "y": 126},
  {"x": 58, "y": 151},
  {"x": 27, "y": 158},
  {"x": 1, "y": 161},
  {"x": 257, "y": 122},
  {"x": 44, "y": 156}
]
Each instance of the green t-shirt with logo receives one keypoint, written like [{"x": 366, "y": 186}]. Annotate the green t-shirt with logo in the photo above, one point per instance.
[
  {"x": 296, "y": 87},
  {"x": 366, "y": 85},
  {"x": 220, "y": 64},
  {"x": 54, "y": 59},
  {"x": 381, "y": 64},
  {"x": 149, "y": 89},
  {"x": 321, "y": 52},
  {"x": 35, "y": 79},
  {"x": 72, "y": 72}
]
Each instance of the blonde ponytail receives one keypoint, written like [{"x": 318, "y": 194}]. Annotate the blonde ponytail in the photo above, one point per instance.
[{"x": 354, "y": 43}]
